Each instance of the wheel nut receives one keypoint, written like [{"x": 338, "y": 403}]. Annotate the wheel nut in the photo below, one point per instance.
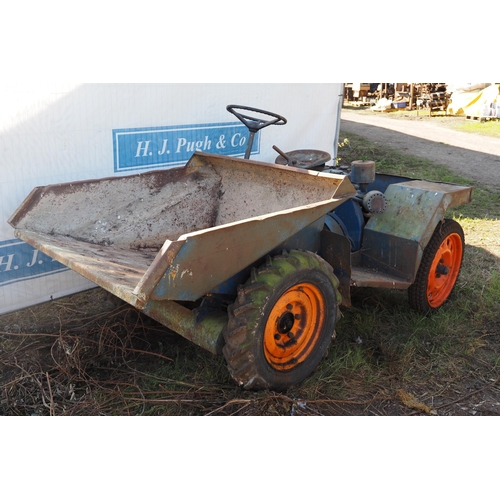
[{"x": 442, "y": 270}]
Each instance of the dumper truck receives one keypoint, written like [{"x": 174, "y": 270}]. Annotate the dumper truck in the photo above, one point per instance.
[{"x": 252, "y": 260}]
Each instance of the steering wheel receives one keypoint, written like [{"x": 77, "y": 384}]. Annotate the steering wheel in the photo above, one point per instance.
[{"x": 252, "y": 123}]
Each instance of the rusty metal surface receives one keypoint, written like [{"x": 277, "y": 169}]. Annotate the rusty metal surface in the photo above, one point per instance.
[
  {"x": 186, "y": 229},
  {"x": 394, "y": 241},
  {"x": 304, "y": 158},
  {"x": 414, "y": 205},
  {"x": 362, "y": 172},
  {"x": 212, "y": 256},
  {"x": 139, "y": 211},
  {"x": 364, "y": 277},
  {"x": 205, "y": 332},
  {"x": 116, "y": 269},
  {"x": 396, "y": 257},
  {"x": 336, "y": 250}
]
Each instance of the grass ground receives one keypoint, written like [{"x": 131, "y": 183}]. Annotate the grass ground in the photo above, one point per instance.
[
  {"x": 489, "y": 128},
  {"x": 83, "y": 355}
]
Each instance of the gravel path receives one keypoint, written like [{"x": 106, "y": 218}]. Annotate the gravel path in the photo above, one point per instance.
[{"x": 473, "y": 156}]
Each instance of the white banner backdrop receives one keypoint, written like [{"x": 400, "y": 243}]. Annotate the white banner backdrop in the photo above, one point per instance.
[{"x": 55, "y": 133}]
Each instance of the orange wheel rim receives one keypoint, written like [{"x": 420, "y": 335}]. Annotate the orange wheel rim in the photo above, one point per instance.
[
  {"x": 444, "y": 270},
  {"x": 294, "y": 326}
]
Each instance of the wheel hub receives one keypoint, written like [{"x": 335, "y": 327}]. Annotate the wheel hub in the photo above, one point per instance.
[
  {"x": 286, "y": 322},
  {"x": 444, "y": 270},
  {"x": 293, "y": 326},
  {"x": 441, "y": 269}
]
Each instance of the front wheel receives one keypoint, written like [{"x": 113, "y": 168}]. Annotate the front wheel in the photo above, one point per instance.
[
  {"x": 439, "y": 269},
  {"x": 282, "y": 322}
]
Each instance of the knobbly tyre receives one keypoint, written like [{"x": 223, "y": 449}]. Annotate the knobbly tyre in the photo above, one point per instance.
[{"x": 248, "y": 259}]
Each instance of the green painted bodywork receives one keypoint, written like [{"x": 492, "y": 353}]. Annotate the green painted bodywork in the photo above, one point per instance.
[{"x": 394, "y": 241}]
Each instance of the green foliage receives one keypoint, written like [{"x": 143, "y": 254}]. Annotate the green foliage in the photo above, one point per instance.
[
  {"x": 490, "y": 128},
  {"x": 341, "y": 145}
]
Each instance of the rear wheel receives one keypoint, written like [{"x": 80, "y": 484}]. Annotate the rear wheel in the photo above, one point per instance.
[
  {"x": 280, "y": 326},
  {"x": 439, "y": 269}
]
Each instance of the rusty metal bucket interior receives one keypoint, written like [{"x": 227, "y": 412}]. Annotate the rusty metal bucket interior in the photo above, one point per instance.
[{"x": 126, "y": 233}]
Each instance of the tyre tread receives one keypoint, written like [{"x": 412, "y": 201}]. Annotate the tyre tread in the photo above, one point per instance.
[
  {"x": 417, "y": 292},
  {"x": 244, "y": 314}
]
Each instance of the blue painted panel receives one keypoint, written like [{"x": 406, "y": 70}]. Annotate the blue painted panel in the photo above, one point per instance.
[
  {"x": 351, "y": 217},
  {"x": 159, "y": 147},
  {"x": 20, "y": 262}
]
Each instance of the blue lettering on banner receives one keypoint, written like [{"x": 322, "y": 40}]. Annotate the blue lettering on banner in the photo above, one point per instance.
[
  {"x": 157, "y": 147},
  {"x": 20, "y": 262}
]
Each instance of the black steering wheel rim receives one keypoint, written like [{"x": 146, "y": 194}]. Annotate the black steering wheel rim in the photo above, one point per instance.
[{"x": 252, "y": 123}]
